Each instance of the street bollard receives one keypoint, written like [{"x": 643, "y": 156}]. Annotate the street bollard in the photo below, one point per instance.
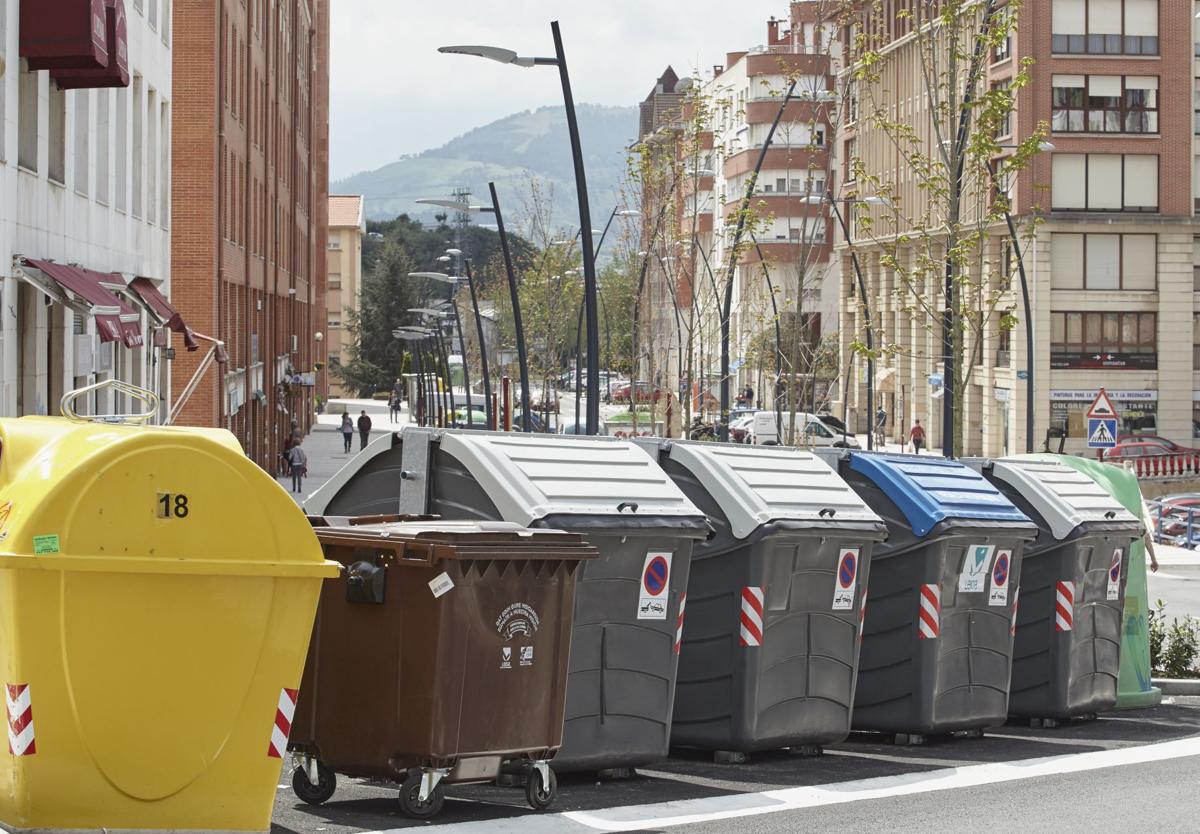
[{"x": 506, "y": 410}]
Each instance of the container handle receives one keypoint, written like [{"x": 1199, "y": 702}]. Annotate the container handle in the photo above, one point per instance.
[
  {"x": 828, "y": 512},
  {"x": 149, "y": 398},
  {"x": 1111, "y": 514},
  {"x": 632, "y": 505}
]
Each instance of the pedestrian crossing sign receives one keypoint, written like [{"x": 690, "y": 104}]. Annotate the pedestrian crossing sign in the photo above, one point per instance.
[{"x": 1102, "y": 433}]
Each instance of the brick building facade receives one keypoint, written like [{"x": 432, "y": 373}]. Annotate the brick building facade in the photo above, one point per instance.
[{"x": 250, "y": 142}]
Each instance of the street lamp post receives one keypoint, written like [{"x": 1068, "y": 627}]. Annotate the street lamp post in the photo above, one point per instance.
[
  {"x": 1045, "y": 147},
  {"x": 864, "y": 302},
  {"x": 514, "y": 295},
  {"x": 440, "y": 350},
  {"x": 507, "y": 56},
  {"x": 751, "y": 184},
  {"x": 453, "y": 282},
  {"x": 415, "y": 337}
]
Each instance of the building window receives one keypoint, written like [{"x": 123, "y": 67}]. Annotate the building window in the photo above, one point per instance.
[
  {"x": 335, "y": 324},
  {"x": 164, "y": 162},
  {"x": 1004, "y": 349},
  {"x": 334, "y": 282},
  {"x": 56, "y": 168},
  {"x": 151, "y": 153},
  {"x": 1119, "y": 341},
  {"x": 335, "y": 240},
  {"x": 1004, "y": 128},
  {"x": 121, "y": 150},
  {"x": 1104, "y": 27},
  {"x": 103, "y": 124},
  {"x": 1105, "y": 182},
  {"x": 1003, "y": 50},
  {"x": 82, "y": 129},
  {"x": 27, "y": 119},
  {"x": 138, "y": 136},
  {"x": 1103, "y": 262},
  {"x": 1105, "y": 104},
  {"x": 1195, "y": 342}
]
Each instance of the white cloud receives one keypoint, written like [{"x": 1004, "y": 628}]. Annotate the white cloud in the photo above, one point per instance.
[{"x": 392, "y": 93}]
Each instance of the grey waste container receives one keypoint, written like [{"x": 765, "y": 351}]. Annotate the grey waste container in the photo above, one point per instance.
[
  {"x": 771, "y": 633},
  {"x": 937, "y": 641},
  {"x": 1066, "y": 658},
  {"x": 621, "y": 683}
]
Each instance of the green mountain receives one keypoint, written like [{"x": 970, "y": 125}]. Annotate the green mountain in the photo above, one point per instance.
[{"x": 512, "y": 151}]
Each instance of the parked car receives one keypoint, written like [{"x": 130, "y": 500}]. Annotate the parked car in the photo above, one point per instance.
[
  {"x": 1174, "y": 447},
  {"x": 1132, "y": 450},
  {"x": 645, "y": 392},
  {"x": 535, "y": 421},
  {"x": 739, "y": 426},
  {"x": 568, "y": 426},
  {"x": 833, "y": 422},
  {"x": 764, "y": 432}
]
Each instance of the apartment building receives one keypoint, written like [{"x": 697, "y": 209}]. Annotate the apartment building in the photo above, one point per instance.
[
  {"x": 783, "y": 267},
  {"x": 343, "y": 279},
  {"x": 85, "y": 183},
  {"x": 249, "y": 133},
  {"x": 1113, "y": 266}
]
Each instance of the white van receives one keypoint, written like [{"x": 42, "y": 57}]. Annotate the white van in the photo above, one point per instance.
[{"x": 763, "y": 431}]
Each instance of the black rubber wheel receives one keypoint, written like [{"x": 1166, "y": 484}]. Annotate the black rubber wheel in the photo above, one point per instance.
[
  {"x": 540, "y": 796},
  {"x": 412, "y": 806},
  {"x": 306, "y": 791}
]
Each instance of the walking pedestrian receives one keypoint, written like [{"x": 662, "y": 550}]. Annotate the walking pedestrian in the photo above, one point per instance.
[
  {"x": 364, "y": 429},
  {"x": 917, "y": 435},
  {"x": 394, "y": 407},
  {"x": 298, "y": 460},
  {"x": 880, "y": 427},
  {"x": 347, "y": 431}
]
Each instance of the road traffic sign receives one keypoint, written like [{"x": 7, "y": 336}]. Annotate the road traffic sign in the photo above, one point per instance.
[
  {"x": 1102, "y": 433},
  {"x": 1102, "y": 407}
]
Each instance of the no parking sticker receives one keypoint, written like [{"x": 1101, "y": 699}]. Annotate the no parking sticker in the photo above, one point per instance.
[
  {"x": 1000, "y": 570},
  {"x": 976, "y": 562},
  {"x": 655, "y": 589},
  {"x": 846, "y": 580},
  {"x": 1114, "y": 576}
]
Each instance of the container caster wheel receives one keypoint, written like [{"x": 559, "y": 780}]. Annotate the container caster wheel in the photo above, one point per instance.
[
  {"x": 410, "y": 799},
  {"x": 541, "y": 791},
  {"x": 316, "y": 794}
]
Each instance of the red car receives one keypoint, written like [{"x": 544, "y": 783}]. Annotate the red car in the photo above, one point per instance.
[
  {"x": 1173, "y": 447},
  {"x": 1128, "y": 450},
  {"x": 644, "y": 394}
]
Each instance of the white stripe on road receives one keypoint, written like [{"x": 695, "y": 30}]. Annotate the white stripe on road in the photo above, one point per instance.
[{"x": 711, "y": 809}]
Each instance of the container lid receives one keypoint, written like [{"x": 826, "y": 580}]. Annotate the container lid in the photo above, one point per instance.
[
  {"x": 129, "y": 499},
  {"x": 532, "y": 476},
  {"x": 930, "y": 490},
  {"x": 431, "y": 539},
  {"x": 1064, "y": 497},
  {"x": 755, "y": 485}
]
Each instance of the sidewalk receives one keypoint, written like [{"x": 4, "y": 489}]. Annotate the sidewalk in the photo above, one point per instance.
[{"x": 324, "y": 444}]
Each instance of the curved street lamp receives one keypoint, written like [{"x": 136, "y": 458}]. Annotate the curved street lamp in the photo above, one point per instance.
[
  {"x": 514, "y": 295},
  {"x": 487, "y": 392},
  {"x": 507, "y": 56}
]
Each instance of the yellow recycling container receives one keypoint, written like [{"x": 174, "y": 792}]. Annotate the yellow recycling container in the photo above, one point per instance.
[{"x": 157, "y": 593}]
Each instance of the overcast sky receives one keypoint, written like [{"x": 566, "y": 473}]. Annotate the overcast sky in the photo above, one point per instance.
[{"x": 392, "y": 94}]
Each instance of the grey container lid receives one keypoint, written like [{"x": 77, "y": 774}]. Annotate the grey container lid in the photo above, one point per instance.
[
  {"x": 755, "y": 485},
  {"x": 1064, "y": 497},
  {"x": 532, "y": 476}
]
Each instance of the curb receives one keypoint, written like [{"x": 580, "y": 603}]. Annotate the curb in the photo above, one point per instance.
[{"x": 1178, "y": 686}]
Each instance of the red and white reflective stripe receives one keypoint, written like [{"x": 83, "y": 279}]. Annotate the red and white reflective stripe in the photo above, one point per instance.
[
  {"x": 679, "y": 623},
  {"x": 929, "y": 615},
  {"x": 283, "y": 723},
  {"x": 862, "y": 615},
  {"x": 1016, "y": 601},
  {"x": 752, "y": 616},
  {"x": 20, "y": 720},
  {"x": 1064, "y": 607}
]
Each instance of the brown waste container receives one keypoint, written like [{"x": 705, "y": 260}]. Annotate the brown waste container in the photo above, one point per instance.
[{"x": 439, "y": 657}]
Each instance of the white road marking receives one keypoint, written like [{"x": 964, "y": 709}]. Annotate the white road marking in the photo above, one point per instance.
[{"x": 711, "y": 809}]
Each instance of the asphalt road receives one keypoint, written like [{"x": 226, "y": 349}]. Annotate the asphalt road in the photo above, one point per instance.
[{"x": 1114, "y": 774}]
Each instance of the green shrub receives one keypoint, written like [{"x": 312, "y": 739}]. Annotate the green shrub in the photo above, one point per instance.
[{"x": 1174, "y": 647}]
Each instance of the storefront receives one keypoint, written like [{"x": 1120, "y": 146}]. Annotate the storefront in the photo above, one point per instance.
[{"x": 1137, "y": 410}]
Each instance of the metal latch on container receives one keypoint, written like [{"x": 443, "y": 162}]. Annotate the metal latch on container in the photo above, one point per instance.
[
  {"x": 632, "y": 505},
  {"x": 828, "y": 512},
  {"x": 1111, "y": 514}
]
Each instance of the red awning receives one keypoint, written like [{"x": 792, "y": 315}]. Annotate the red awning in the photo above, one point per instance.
[
  {"x": 116, "y": 74},
  {"x": 115, "y": 320},
  {"x": 157, "y": 303},
  {"x": 64, "y": 34}
]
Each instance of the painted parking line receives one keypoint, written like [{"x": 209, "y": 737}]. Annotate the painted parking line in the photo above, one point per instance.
[{"x": 711, "y": 809}]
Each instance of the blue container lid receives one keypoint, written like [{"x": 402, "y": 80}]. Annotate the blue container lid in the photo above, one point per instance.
[{"x": 929, "y": 490}]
